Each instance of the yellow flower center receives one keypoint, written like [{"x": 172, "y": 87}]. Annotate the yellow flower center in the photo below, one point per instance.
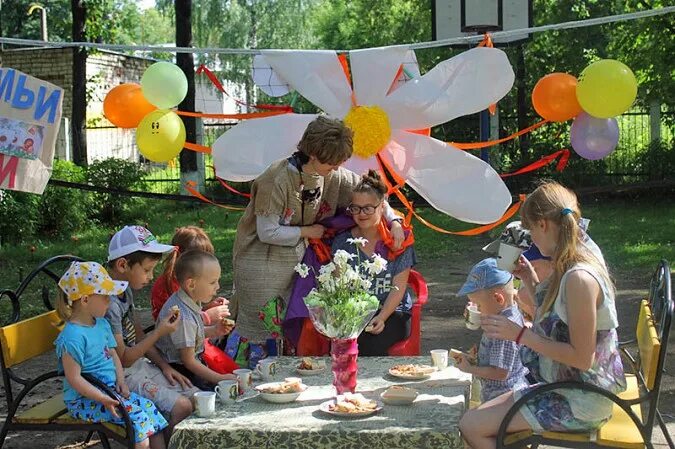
[{"x": 371, "y": 129}]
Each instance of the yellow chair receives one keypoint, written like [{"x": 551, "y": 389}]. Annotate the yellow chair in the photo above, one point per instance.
[
  {"x": 626, "y": 428},
  {"x": 22, "y": 340}
]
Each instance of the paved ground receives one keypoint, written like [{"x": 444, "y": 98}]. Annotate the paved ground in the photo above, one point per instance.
[{"x": 443, "y": 327}]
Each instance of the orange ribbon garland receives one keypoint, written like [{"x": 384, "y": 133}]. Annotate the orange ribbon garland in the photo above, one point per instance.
[
  {"x": 387, "y": 170},
  {"x": 191, "y": 187},
  {"x": 232, "y": 189},
  {"x": 479, "y": 145},
  {"x": 388, "y": 239},
  {"x": 487, "y": 42},
  {"x": 216, "y": 82},
  {"x": 481, "y": 229},
  {"x": 196, "y": 147},
  {"x": 242, "y": 116},
  {"x": 564, "y": 155}
]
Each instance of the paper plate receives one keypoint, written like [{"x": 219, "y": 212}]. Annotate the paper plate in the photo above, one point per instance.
[
  {"x": 416, "y": 376},
  {"x": 324, "y": 407}
]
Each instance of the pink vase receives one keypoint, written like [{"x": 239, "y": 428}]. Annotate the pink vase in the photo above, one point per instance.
[{"x": 343, "y": 353}]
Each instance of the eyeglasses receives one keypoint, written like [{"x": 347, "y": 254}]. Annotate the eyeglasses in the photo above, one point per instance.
[{"x": 353, "y": 209}]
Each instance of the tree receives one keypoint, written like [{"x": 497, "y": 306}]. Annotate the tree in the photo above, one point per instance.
[
  {"x": 183, "y": 10},
  {"x": 17, "y": 23},
  {"x": 78, "y": 126}
]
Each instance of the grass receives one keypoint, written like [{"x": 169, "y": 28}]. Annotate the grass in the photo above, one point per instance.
[{"x": 633, "y": 235}]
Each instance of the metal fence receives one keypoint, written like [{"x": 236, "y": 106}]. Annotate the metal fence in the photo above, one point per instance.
[{"x": 624, "y": 165}]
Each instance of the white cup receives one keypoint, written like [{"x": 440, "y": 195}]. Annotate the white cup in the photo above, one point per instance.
[
  {"x": 244, "y": 379},
  {"x": 227, "y": 390},
  {"x": 508, "y": 256},
  {"x": 205, "y": 403},
  {"x": 267, "y": 368},
  {"x": 439, "y": 357},
  {"x": 472, "y": 316}
]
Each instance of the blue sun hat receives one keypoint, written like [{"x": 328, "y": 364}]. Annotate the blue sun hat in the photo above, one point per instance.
[{"x": 485, "y": 274}]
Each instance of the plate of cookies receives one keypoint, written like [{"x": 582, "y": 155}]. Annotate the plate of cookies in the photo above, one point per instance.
[
  {"x": 411, "y": 371},
  {"x": 350, "y": 405},
  {"x": 310, "y": 367}
]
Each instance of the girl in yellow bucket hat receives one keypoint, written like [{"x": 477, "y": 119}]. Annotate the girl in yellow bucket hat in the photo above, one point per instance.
[{"x": 86, "y": 346}]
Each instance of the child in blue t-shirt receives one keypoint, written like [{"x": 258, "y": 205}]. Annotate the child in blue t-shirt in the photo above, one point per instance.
[{"x": 86, "y": 346}]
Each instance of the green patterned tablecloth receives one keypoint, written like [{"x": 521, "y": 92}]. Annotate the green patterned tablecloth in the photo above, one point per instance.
[{"x": 431, "y": 422}]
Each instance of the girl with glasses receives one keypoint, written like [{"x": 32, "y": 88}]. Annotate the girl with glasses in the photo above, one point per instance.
[{"x": 391, "y": 323}]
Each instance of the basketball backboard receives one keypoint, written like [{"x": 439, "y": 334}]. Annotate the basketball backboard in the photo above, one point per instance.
[{"x": 458, "y": 18}]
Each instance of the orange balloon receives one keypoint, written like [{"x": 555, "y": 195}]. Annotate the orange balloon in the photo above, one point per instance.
[
  {"x": 555, "y": 97},
  {"x": 125, "y": 106}
]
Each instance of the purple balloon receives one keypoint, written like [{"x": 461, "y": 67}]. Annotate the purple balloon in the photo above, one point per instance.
[{"x": 594, "y": 138}]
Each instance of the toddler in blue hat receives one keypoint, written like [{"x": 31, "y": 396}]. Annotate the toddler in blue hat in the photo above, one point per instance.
[{"x": 498, "y": 366}]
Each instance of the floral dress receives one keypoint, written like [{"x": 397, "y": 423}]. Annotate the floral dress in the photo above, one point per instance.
[{"x": 573, "y": 410}]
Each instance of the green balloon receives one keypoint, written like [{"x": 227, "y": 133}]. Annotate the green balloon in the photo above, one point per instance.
[{"x": 164, "y": 85}]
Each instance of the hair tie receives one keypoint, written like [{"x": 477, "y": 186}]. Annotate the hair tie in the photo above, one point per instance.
[{"x": 566, "y": 211}]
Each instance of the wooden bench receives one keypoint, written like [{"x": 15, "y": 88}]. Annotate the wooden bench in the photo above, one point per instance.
[
  {"x": 22, "y": 340},
  {"x": 636, "y": 409}
]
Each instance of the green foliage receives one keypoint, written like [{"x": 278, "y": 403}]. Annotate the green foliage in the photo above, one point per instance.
[
  {"x": 19, "y": 215},
  {"x": 17, "y": 23},
  {"x": 64, "y": 210},
  {"x": 114, "y": 174}
]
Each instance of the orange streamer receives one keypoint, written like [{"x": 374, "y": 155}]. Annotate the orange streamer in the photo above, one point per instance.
[
  {"x": 243, "y": 116},
  {"x": 479, "y": 145},
  {"x": 388, "y": 170},
  {"x": 564, "y": 155},
  {"x": 481, "y": 229},
  {"x": 487, "y": 42},
  {"x": 216, "y": 82},
  {"x": 190, "y": 186},
  {"x": 232, "y": 189},
  {"x": 196, "y": 147}
]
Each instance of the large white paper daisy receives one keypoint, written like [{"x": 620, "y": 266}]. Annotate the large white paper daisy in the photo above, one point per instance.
[{"x": 451, "y": 180}]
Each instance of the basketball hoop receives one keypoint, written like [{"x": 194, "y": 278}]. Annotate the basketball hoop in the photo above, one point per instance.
[{"x": 457, "y": 18}]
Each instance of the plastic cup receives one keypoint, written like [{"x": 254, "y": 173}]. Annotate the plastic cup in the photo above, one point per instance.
[{"x": 439, "y": 358}]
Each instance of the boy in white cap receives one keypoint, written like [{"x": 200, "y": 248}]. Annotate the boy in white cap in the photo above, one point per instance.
[{"x": 133, "y": 254}]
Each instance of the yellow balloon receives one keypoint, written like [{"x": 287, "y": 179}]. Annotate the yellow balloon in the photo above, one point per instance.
[
  {"x": 161, "y": 135},
  {"x": 606, "y": 88}
]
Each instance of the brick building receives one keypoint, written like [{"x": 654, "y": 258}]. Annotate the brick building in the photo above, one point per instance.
[{"x": 105, "y": 70}]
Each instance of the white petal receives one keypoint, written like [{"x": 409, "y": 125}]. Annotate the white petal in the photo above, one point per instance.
[
  {"x": 316, "y": 75},
  {"x": 361, "y": 166},
  {"x": 373, "y": 71},
  {"x": 245, "y": 151},
  {"x": 267, "y": 79},
  {"x": 465, "y": 84},
  {"x": 451, "y": 180}
]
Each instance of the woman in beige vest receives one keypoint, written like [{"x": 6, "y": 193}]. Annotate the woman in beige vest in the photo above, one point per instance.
[{"x": 287, "y": 201}]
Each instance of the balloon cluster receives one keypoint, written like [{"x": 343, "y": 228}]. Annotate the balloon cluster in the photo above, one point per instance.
[
  {"x": 605, "y": 89},
  {"x": 160, "y": 133}
]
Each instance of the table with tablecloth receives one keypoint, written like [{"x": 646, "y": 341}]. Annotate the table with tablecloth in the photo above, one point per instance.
[{"x": 430, "y": 422}]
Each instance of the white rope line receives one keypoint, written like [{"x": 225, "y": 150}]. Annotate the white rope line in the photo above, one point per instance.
[{"x": 420, "y": 45}]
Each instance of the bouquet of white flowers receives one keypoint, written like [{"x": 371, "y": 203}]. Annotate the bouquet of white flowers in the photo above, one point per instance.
[{"x": 341, "y": 307}]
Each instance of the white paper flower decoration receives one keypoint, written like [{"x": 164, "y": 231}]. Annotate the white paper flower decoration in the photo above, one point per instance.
[{"x": 451, "y": 180}]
